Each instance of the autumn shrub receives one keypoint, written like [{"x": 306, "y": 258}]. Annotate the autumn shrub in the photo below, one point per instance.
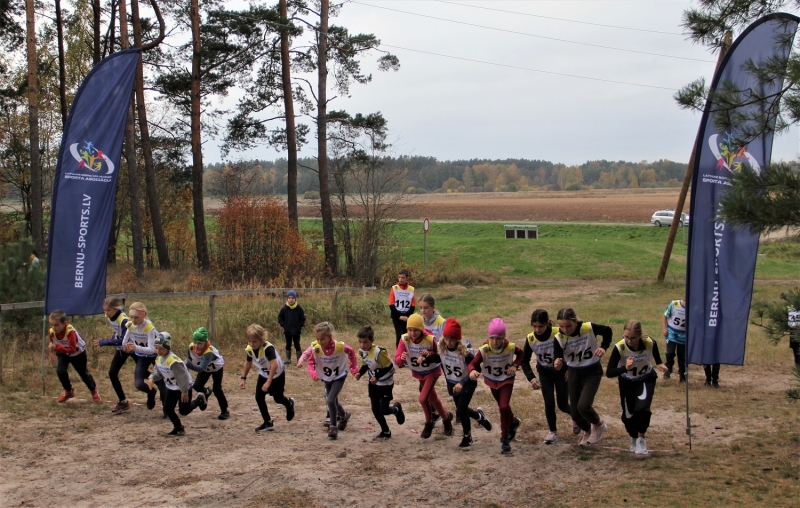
[{"x": 256, "y": 242}]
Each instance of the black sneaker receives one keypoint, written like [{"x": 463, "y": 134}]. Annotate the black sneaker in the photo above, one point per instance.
[
  {"x": 151, "y": 399},
  {"x": 427, "y": 431},
  {"x": 715, "y": 384},
  {"x": 667, "y": 375},
  {"x": 177, "y": 432},
  {"x": 343, "y": 422},
  {"x": 466, "y": 441},
  {"x": 265, "y": 426},
  {"x": 707, "y": 383},
  {"x": 483, "y": 421},
  {"x": 290, "y": 410},
  {"x": 435, "y": 417},
  {"x": 333, "y": 432},
  {"x": 682, "y": 379},
  {"x": 384, "y": 435},
  {"x": 506, "y": 445},
  {"x": 202, "y": 403},
  {"x": 400, "y": 415},
  {"x": 512, "y": 430},
  {"x": 224, "y": 415},
  {"x": 208, "y": 392},
  {"x": 448, "y": 424}
]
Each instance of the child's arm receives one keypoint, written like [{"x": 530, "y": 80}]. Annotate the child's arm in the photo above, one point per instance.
[
  {"x": 204, "y": 361},
  {"x": 273, "y": 368},
  {"x": 312, "y": 365},
  {"x": 400, "y": 355},
  {"x": 657, "y": 357},
  {"x": 474, "y": 367},
  {"x": 304, "y": 357},
  {"x": 664, "y": 330},
  {"x": 182, "y": 377},
  {"x": 558, "y": 354},
  {"x": 526, "y": 362},
  {"x": 154, "y": 376},
  {"x": 351, "y": 355},
  {"x": 386, "y": 364},
  {"x": 613, "y": 370},
  {"x": 245, "y": 371},
  {"x": 512, "y": 370}
]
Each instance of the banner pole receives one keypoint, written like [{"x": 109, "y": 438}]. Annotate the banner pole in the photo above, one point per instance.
[{"x": 44, "y": 352}]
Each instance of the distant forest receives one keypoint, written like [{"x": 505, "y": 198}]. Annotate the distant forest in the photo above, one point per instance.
[{"x": 427, "y": 174}]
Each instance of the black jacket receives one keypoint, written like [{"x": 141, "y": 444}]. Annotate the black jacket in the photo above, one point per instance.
[{"x": 292, "y": 320}]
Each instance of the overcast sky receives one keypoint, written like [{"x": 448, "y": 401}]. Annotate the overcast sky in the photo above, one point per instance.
[{"x": 453, "y": 108}]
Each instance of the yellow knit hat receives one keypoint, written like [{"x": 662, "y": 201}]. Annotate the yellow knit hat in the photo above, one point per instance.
[{"x": 415, "y": 321}]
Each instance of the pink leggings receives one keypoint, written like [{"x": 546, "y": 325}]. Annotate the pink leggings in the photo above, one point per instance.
[
  {"x": 503, "y": 397},
  {"x": 428, "y": 398}
]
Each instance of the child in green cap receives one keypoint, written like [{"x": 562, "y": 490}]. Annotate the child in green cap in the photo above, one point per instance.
[{"x": 207, "y": 361}]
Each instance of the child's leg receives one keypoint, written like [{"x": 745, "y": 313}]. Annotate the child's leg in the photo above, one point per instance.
[
  {"x": 575, "y": 384},
  {"x": 671, "y": 348},
  {"x": 503, "y": 397},
  {"x": 61, "y": 371},
  {"x": 289, "y": 347},
  {"x": 200, "y": 381},
  {"x": 562, "y": 394},
  {"x": 261, "y": 398},
  {"x": 184, "y": 408},
  {"x": 332, "y": 400},
  {"x": 170, "y": 401},
  {"x": 464, "y": 412},
  {"x": 642, "y": 414},
  {"x": 429, "y": 389},
  {"x": 141, "y": 373},
  {"x": 276, "y": 389},
  {"x": 297, "y": 349},
  {"x": 627, "y": 399},
  {"x": 377, "y": 411},
  {"x": 113, "y": 373},
  {"x": 591, "y": 384},
  {"x": 79, "y": 362},
  {"x": 399, "y": 330},
  {"x": 681, "y": 348},
  {"x": 217, "y": 389},
  {"x": 548, "y": 389}
]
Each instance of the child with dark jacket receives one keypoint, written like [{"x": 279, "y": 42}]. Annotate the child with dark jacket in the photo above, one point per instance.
[{"x": 292, "y": 319}]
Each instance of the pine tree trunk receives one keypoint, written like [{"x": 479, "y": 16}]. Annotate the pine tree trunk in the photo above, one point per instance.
[
  {"x": 62, "y": 70},
  {"x": 37, "y": 224},
  {"x": 147, "y": 150},
  {"x": 130, "y": 158},
  {"x": 96, "y": 29},
  {"x": 201, "y": 242},
  {"x": 322, "y": 141},
  {"x": 288, "y": 101}
]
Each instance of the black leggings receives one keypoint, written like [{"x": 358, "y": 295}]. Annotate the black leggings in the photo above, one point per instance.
[
  {"x": 400, "y": 327},
  {"x": 680, "y": 349},
  {"x": 712, "y": 372},
  {"x": 142, "y": 372},
  {"x": 120, "y": 357},
  {"x": 583, "y": 386},
  {"x": 554, "y": 382},
  {"x": 379, "y": 398},
  {"x": 79, "y": 363},
  {"x": 293, "y": 339},
  {"x": 635, "y": 398},
  {"x": 172, "y": 399},
  {"x": 275, "y": 390},
  {"x": 463, "y": 411},
  {"x": 216, "y": 387}
]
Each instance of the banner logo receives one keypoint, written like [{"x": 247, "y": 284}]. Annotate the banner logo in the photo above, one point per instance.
[
  {"x": 729, "y": 157},
  {"x": 91, "y": 158}
]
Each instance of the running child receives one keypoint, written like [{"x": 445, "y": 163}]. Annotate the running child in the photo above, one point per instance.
[
  {"x": 552, "y": 382},
  {"x": 70, "y": 348},
  {"x": 455, "y": 358},
  {"x": 139, "y": 341},
  {"x": 414, "y": 350},
  {"x": 673, "y": 324},
  {"x": 292, "y": 319},
  {"x": 171, "y": 371},
  {"x": 576, "y": 345},
  {"x": 498, "y": 361},
  {"x": 208, "y": 362},
  {"x": 379, "y": 367},
  {"x": 113, "y": 309},
  {"x": 329, "y": 362},
  {"x": 632, "y": 361},
  {"x": 402, "y": 303},
  {"x": 433, "y": 321},
  {"x": 271, "y": 375}
]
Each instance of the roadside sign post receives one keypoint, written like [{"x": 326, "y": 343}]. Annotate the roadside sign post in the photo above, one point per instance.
[{"x": 426, "y": 224}]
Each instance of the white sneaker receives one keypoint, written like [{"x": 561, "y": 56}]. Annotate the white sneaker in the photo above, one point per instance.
[
  {"x": 550, "y": 438},
  {"x": 584, "y": 439},
  {"x": 597, "y": 433},
  {"x": 641, "y": 446},
  {"x": 633, "y": 444}
]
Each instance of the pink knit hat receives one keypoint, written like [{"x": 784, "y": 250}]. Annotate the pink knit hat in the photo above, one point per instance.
[{"x": 497, "y": 328}]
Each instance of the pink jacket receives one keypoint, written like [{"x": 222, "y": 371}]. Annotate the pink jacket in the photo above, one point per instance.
[{"x": 308, "y": 355}]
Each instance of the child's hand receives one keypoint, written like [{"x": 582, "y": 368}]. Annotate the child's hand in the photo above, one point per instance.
[
  {"x": 600, "y": 352},
  {"x": 403, "y": 318},
  {"x": 511, "y": 371},
  {"x": 241, "y": 383},
  {"x": 265, "y": 386},
  {"x": 300, "y": 364},
  {"x": 373, "y": 380},
  {"x": 662, "y": 368},
  {"x": 358, "y": 376},
  {"x": 629, "y": 363},
  {"x": 457, "y": 388},
  {"x": 474, "y": 375},
  {"x": 425, "y": 353},
  {"x": 315, "y": 378},
  {"x": 184, "y": 398},
  {"x": 404, "y": 356},
  {"x": 96, "y": 342},
  {"x": 535, "y": 384},
  {"x": 149, "y": 383},
  {"x": 559, "y": 363},
  {"x": 51, "y": 346},
  {"x": 130, "y": 347}
]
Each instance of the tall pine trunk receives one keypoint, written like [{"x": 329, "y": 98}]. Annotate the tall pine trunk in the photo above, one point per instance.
[
  {"x": 291, "y": 132},
  {"x": 331, "y": 264},
  {"x": 147, "y": 150},
  {"x": 201, "y": 242},
  {"x": 37, "y": 223},
  {"x": 96, "y": 31},
  {"x": 130, "y": 158},
  {"x": 62, "y": 70}
]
